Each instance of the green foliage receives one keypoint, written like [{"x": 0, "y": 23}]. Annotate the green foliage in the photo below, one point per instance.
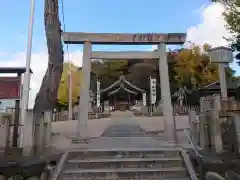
[
  {"x": 232, "y": 17},
  {"x": 188, "y": 67}
]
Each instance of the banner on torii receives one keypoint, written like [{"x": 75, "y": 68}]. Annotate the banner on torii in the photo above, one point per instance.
[
  {"x": 144, "y": 99},
  {"x": 153, "y": 96},
  {"x": 98, "y": 93}
]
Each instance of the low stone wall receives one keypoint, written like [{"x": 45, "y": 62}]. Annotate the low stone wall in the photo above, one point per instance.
[{"x": 63, "y": 130}]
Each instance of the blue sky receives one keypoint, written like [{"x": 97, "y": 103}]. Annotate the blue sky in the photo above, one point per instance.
[
  {"x": 200, "y": 19},
  {"x": 97, "y": 16}
]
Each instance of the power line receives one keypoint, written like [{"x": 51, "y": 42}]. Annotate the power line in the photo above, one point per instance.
[
  {"x": 69, "y": 70},
  {"x": 64, "y": 29}
]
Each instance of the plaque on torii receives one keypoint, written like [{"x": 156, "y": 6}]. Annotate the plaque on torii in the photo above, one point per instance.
[{"x": 124, "y": 38}]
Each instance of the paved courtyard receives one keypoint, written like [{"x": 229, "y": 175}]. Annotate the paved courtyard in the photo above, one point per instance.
[{"x": 123, "y": 129}]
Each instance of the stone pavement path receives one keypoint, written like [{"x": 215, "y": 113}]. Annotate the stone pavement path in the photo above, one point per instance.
[
  {"x": 122, "y": 126},
  {"x": 125, "y": 132}
]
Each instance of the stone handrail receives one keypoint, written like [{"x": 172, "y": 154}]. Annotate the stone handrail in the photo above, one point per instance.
[{"x": 59, "y": 167}]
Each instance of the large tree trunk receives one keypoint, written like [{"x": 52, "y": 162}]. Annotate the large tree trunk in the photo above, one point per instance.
[{"x": 47, "y": 95}]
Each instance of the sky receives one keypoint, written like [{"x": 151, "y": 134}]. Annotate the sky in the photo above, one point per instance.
[{"x": 200, "y": 19}]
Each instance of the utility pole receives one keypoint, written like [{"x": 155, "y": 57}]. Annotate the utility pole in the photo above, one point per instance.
[{"x": 26, "y": 81}]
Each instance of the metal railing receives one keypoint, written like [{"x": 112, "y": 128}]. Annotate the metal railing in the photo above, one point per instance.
[
  {"x": 194, "y": 147},
  {"x": 188, "y": 163}
]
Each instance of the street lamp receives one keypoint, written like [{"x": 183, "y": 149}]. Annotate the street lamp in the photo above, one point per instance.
[{"x": 221, "y": 55}]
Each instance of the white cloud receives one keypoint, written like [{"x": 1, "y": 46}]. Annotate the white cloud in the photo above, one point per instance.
[
  {"x": 38, "y": 65},
  {"x": 211, "y": 29}
]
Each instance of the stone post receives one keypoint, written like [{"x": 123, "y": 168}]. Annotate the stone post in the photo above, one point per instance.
[
  {"x": 39, "y": 131},
  {"x": 223, "y": 84},
  {"x": 6, "y": 119},
  {"x": 202, "y": 103},
  {"x": 217, "y": 102},
  {"x": 193, "y": 127},
  {"x": 169, "y": 127},
  {"x": 84, "y": 90},
  {"x": 216, "y": 136},
  {"x": 47, "y": 136},
  {"x": 203, "y": 129}
]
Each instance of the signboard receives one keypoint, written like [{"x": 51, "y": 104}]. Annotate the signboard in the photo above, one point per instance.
[
  {"x": 125, "y": 39},
  {"x": 98, "y": 93},
  {"x": 153, "y": 90},
  {"x": 144, "y": 99},
  {"x": 10, "y": 87}
]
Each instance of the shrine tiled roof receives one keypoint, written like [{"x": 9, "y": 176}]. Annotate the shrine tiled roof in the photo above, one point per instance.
[{"x": 216, "y": 85}]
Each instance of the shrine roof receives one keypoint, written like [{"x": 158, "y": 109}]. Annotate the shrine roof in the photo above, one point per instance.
[
  {"x": 216, "y": 86},
  {"x": 123, "y": 89},
  {"x": 121, "y": 82},
  {"x": 12, "y": 70}
]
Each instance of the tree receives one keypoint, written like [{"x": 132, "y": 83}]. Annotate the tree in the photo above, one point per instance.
[
  {"x": 63, "y": 90},
  {"x": 193, "y": 67},
  {"x": 47, "y": 96},
  {"x": 109, "y": 71},
  {"x": 232, "y": 17},
  {"x": 139, "y": 74}
]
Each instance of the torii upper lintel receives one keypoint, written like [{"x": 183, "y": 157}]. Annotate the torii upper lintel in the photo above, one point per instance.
[{"x": 124, "y": 38}]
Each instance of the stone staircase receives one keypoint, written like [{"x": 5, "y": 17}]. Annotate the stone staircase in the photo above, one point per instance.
[
  {"x": 125, "y": 151},
  {"x": 124, "y": 164}
]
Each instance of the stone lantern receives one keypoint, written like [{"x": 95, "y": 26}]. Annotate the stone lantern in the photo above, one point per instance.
[
  {"x": 91, "y": 99},
  {"x": 221, "y": 55}
]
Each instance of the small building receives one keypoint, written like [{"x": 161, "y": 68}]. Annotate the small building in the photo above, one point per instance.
[
  {"x": 122, "y": 94},
  {"x": 214, "y": 88}
]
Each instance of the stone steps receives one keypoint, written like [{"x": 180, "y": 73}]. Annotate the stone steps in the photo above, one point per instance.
[
  {"x": 125, "y": 152},
  {"x": 128, "y": 173},
  {"x": 125, "y": 163}
]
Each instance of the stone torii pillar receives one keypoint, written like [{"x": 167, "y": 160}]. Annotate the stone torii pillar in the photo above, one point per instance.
[
  {"x": 169, "y": 124},
  {"x": 84, "y": 90}
]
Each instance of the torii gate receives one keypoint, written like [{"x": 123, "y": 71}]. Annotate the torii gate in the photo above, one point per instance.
[{"x": 161, "y": 39}]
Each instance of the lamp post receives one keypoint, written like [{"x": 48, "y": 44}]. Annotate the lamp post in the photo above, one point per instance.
[{"x": 221, "y": 55}]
